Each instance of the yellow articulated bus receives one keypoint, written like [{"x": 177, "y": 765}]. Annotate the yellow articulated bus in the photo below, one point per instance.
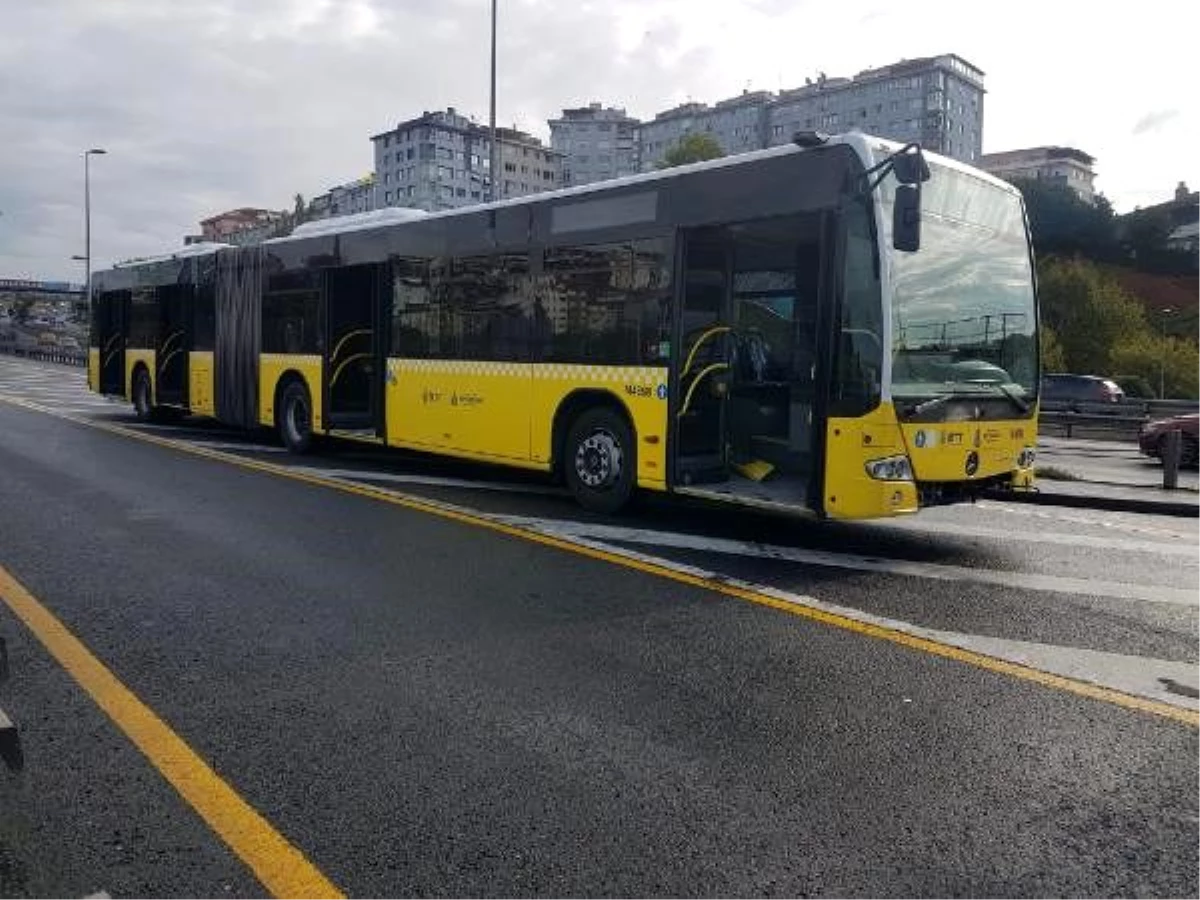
[{"x": 843, "y": 326}]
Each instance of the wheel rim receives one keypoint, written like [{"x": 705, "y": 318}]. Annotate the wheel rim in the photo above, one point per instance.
[
  {"x": 297, "y": 420},
  {"x": 598, "y": 460}
]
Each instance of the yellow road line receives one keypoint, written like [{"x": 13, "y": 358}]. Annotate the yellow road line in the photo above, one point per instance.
[
  {"x": 925, "y": 645},
  {"x": 281, "y": 868}
]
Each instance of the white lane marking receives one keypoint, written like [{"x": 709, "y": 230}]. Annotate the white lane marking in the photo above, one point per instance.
[
  {"x": 1139, "y": 675},
  {"x": 1135, "y": 526},
  {"x": 1026, "y": 580},
  {"x": 432, "y": 481},
  {"x": 234, "y": 445},
  {"x": 1098, "y": 542},
  {"x": 1132, "y": 674}
]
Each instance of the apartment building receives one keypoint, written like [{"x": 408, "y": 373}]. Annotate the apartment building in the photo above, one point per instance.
[
  {"x": 597, "y": 143},
  {"x": 1057, "y": 165}
]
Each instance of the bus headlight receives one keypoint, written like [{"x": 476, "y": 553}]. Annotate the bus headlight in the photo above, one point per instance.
[
  {"x": 890, "y": 468},
  {"x": 1026, "y": 457}
]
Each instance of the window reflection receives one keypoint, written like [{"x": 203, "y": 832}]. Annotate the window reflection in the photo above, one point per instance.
[{"x": 291, "y": 311}]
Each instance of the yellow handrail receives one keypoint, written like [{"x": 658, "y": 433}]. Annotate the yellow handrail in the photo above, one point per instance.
[
  {"x": 349, "y": 359},
  {"x": 347, "y": 337},
  {"x": 162, "y": 366},
  {"x": 687, "y": 400},
  {"x": 716, "y": 329},
  {"x": 170, "y": 337}
]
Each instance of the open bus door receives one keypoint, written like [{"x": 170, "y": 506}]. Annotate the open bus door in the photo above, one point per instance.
[
  {"x": 112, "y": 328},
  {"x": 747, "y": 380},
  {"x": 174, "y": 344},
  {"x": 354, "y": 351}
]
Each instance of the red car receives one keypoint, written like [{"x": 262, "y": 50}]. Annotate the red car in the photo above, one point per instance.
[{"x": 1152, "y": 438}]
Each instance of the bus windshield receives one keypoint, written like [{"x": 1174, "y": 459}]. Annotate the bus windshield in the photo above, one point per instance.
[{"x": 964, "y": 318}]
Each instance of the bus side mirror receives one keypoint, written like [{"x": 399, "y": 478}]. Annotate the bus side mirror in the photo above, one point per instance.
[
  {"x": 910, "y": 168},
  {"x": 906, "y": 218}
]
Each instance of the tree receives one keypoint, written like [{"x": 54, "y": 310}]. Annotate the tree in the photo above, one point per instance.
[
  {"x": 1151, "y": 358},
  {"x": 1144, "y": 240},
  {"x": 1053, "y": 359},
  {"x": 1089, "y": 313},
  {"x": 694, "y": 147},
  {"x": 1061, "y": 222}
]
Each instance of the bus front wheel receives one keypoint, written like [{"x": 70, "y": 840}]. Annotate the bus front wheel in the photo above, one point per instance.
[
  {"x": 295, "y": 418},
  {"x": 600, "y": 460}
]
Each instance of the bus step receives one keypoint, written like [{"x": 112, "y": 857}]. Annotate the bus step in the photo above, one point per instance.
[
  {"x": 777, "y": 451},
  {"x": 367, "y": 435},
  {"x": 703, "y": 469}
]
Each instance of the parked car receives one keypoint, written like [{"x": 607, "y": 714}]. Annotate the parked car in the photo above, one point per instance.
[
  {"x": 1152, "y": 438},
  {"x": 1072, "y": 389}
]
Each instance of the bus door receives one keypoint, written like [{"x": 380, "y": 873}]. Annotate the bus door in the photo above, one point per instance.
[
  {"x": 702, "y": 364},
  {"x": 748, "y": 375},
  {"x": 112, "y": 327},
  {"x": 353, "y": 358},
  {"x": 174, "y": 343}
]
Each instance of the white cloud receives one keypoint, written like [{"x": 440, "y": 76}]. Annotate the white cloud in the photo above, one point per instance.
[{"x": 229, "y": 103}]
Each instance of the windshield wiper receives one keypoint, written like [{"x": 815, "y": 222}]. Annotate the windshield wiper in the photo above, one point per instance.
[
  {"x": 932, "y": 403},
  {"x": 959, "y": 394},
  {"x": 1018, "y": 401}
]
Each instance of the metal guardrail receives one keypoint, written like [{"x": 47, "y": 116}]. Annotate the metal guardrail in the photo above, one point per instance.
[
  {"x": 47, "y": 354},
  {"x": 1111, "y": 421}
]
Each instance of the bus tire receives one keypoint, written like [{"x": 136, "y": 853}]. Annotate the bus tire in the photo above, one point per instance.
[
  {"x": 143, "y": 408},
  {"x": 294, "y": 418},
  {"x": 600, "y": 460}
]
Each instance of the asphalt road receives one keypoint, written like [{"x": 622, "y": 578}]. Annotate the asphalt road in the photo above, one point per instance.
[{"x": 439, "y": 679}]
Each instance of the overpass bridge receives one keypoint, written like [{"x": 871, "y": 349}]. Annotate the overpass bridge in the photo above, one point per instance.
[{"x": 28, "y": 286}]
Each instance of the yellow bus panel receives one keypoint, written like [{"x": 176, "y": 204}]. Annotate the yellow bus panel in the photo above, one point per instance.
[
  {"x": 93, "y": 370},
  {"x": 850, "y": 493},
  {"x": 505, "y": 411},
  {"x": 641, "y": 390},
  {"x": 478, "y": 407},
  {"x": 272, "y": 366},
  {"x": 942, "y": 451},
  {"x": 948, "y": 452},
  {"x": 200, "y": 383}
]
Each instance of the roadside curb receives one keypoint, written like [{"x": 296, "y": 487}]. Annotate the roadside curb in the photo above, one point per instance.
[{"x": 1095, "y": 501}]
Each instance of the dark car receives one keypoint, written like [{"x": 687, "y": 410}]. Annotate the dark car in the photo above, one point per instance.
[
  {"x": 1070, "y": 389},
  {"x": 1152, "y": 438}
]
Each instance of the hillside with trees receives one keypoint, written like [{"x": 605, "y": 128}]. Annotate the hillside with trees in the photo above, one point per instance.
[{"x": 1116, "y": 301}]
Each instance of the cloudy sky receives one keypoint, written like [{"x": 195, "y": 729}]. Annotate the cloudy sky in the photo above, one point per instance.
[{"x": 210, "y": 104}]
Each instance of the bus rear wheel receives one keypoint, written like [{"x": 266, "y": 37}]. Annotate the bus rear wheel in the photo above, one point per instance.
[
  {"x": 294, "y": 418},
  {"x": 600, "y": 460},
  {"x": 142, "y": 407}
]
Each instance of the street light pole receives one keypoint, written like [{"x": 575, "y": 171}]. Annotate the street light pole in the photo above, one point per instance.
[
  {"x": 87, "y": 224},
  {"x": 1162, "y": 355},
  {"x": 495, "y": 150}
]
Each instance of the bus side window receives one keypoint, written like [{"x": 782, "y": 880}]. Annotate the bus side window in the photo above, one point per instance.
[
  {"x": 204, "y": 323},
  {"x": 487, "y": 299},
  {"x": 291, "y": 300},
  {"x": 605, "y": 304},
  {"x": 414, "y": 315},
  {"x": 143, "y": 318}
]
